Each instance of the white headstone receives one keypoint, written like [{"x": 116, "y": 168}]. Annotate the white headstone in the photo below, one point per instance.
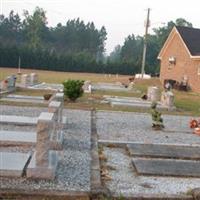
[
  {"x": 167, "y": 99},
  {"x": 153, "y": 94},
  {"x": 87, "y": 87},
  {"x": 33, "y": 78},
  {"x": 25, "y": 80}
]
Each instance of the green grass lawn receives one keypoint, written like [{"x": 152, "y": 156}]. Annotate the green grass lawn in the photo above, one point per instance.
[
  {"x": 187, "y": 103},
  {"x": 59, "y": 77}
]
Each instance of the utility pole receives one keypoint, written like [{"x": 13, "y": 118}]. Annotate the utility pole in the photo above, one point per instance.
[{"x": 147, "y": 25}]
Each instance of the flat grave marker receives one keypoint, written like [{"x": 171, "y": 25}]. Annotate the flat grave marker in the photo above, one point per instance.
[
  {"x": 167, "y": 167},
  {"x": 13, "y": 164},
  {"x": 165, "y": 150},
  {"x": 17, "y": 138}
]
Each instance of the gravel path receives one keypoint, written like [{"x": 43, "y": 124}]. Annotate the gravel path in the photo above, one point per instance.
[
  {"x": 73, "y": 172},
  {"x": 136, "y": 127},
  {"x": 127, "y": 183}
]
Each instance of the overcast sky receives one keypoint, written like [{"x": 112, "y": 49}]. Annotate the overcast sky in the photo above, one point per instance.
[{"x": 120, "y": 17}]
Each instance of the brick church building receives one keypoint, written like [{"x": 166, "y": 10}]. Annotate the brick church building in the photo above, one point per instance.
[{"x": 180, "y": 57}]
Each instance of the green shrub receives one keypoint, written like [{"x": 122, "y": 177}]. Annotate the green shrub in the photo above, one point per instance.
[{"x": 73, "y": 89}]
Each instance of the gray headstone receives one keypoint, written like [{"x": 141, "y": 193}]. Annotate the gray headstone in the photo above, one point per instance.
[{"x": 166, "y": 167}]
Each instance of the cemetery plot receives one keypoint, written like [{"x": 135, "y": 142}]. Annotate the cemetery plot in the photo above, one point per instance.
[
  {"x": 131, "y": 101},
  {"x": 126, "y": 182},
  {"x": 143, "y": 161},
  {"x": 166, "y": 102},
  {"x": 41, "y": 165},
  {"x": 55, "y": 106},
  {"x": 68, "y": 169},
  {"x": 49, "y": 136},
  {"x": 166, "y": 167}
]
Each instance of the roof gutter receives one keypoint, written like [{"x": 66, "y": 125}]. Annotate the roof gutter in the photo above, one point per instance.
[{"x": 195, "y": 57}]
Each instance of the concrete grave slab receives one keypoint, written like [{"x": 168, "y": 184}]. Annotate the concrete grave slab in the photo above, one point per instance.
[
  {"x": 22, "y": 120},
  {"x": 35, "y": 171},
  {"x": 167, "y": 167},
  {"x": 18, "y": 120},
  {"x": 47, "y": 86},
  {"x": 24, "y": 100},
  {"x": 137, "y": 104},
  {"x": 109, "y": 86},
  {"x": 165, "y": 150},
  {"x": 13, "y": 164},
  {"x": 126, "y": 99},
  {"x": 59, "y": 96},
  {"x": 55, "y": 104},
  {"x": 46, "y": 116},
  {"x": 25, "y": 97},
  {"x": 16, "y": 138}
]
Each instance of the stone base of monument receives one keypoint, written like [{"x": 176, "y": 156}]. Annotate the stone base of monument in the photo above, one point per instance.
[
  {"x": 13, "y": 164},
  {"x": 56, "y": 142},
  {"x": 41, "y": 172},
  {"x": 167, "y": 167}
]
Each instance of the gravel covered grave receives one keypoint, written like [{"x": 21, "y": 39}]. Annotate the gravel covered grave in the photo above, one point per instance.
[
  {"x": 73, "y": 171},
  {"x": 136, "y": 127},
  {"x": 126, "y": 182}
]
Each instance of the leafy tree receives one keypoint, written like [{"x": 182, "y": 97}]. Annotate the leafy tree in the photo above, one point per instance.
[
  {"x": 35, "y": 28},
  {"x": 10, "y": 29},
  {"x": 163, "y": 32},
  {"x": 75, "y": 46},
  {"x": 115, "y": 54}
]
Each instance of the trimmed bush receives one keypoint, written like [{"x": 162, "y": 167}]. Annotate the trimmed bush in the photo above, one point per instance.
[{"x": 73, "y": 89}]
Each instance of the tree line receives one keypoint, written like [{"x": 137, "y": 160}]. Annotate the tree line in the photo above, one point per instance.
[{"x": 75, "y": 46}]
